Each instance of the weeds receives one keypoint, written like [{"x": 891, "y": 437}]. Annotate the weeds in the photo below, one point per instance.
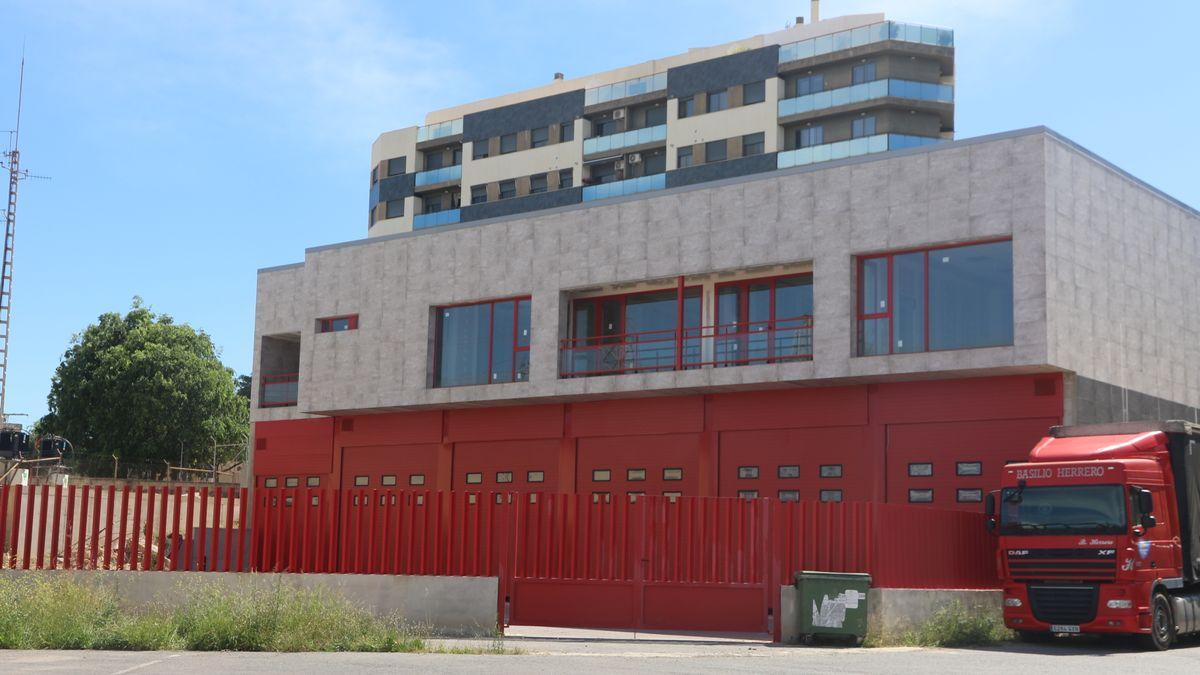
[
  {"x": 951, "y": 626},
  {"x": 56, "y": 612}
]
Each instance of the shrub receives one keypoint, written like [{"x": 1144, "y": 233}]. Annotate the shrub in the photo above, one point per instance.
[
  {"x": 951, "y": 626},
  {"x": 52, "y": 613}
]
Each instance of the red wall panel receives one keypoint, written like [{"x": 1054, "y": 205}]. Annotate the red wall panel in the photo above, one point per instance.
[
  {"x": 967, "y": 399},
  {"x": 946, "y": 444},
  {"x": 623, "y": 417},
  {"x": 389, "y": 428},
  {"x": 505, "y": 422},
  {"x": 789, "y": 408},
  {"x": 652, "y": 454},
  {"x": 809, "y": 449},
  {"x": 294, "y": 447},
  {"x": 515, "y": 457}
]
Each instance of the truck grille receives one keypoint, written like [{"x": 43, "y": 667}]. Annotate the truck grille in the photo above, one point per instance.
[
  {"x": 1071, "y": 605},
  {"x": 1084, "y": 564}
]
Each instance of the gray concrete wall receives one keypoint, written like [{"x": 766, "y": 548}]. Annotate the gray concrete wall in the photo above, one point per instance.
[
  {"x": 827, "y": 214},
  {"x": 1121, "y": 263},
  {"x": 895, "y": 611},
  {"x": 446, "y": 605}
]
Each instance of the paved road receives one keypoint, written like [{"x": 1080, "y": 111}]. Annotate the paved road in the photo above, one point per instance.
[{"x": 629, "y": 657}]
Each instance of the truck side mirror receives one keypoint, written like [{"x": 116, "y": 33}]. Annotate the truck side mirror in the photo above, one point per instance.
[
  {"x": 1145, "y": 501},
  {"x": 989, "y": 507},
  {"x": 1148, "y": 521}
]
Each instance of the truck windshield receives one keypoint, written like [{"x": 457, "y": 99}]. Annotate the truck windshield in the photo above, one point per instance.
[{"x": 1075, "y": 509}]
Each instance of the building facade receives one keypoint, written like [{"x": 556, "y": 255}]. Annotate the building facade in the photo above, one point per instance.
[
  {"x": 890, "y": 326},
  {"x": 843, "y": 87}
]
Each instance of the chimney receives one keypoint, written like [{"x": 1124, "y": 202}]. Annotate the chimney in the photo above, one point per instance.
[
  {"x": 816, "y": 11},
  {"x": 558, "y": 76},
  {"x": 799, "y": 20}
]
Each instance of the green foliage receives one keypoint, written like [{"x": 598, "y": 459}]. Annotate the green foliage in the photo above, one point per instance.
[
  {"x": 57, "y": 612},
  {"x": 142, "y": 387},
  {"x": 951, "y": 626}
]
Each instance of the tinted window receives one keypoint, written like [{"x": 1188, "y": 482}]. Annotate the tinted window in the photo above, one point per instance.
[
  {"x": 479, "y": 149},
  {"x": 971, "y": 296},
  {"x": 809, "y": 85},
  {"x": 508, "y": 143},
  {"x": 487, "y": 342},
  {"x": 395, "y": 208},
  {"x": 753, "y": 144},
  {"x": 718, "y": 100},
  {"x": 810, "y": 136},
  {"x": 395, "y": 167},
  {"x": 754, "y": 92},
  {"x": 564, "y": 179},
  {"x": 508, "y": 189},
  {"x": 566, "y": 132},
  {"x": 863, "y": 126},
  {"x": 539, "y": 137},
  {"x": 434, "y": 160},
  {"x": 864, "y": 72},
  {"x": 687, "y": 107},
  {"x": 685, "y": 157},
  {"x": 478, "y": 194},
  {"x": 537, "y": 183},
  {"x": 656, "y": 115},
  {"x": 715, "y": 151}
]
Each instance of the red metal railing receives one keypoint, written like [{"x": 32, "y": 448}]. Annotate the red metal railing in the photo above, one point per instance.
[
  {"x": 123, "y": 528},
  {"x": 279, "y": 390},
  {"x": 734, "y": 344}
]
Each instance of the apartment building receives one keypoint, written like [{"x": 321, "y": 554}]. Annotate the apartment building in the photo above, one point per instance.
[
  {"x": 839, "y": 325},
  {"x": 843, "y": 87}
]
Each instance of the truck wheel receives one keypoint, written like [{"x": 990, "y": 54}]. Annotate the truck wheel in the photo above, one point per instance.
[
  {"x": 1162, "y": 624},
  {"x": 1034, "y": 636}
]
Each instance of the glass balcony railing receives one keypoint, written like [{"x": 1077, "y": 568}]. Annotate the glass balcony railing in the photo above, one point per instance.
[
  {"x": 629, "y": 186},
  {"x": 922, "y": 91},
  {"x": 428, "y": 133},
  {"x": 634, "y": 87},
  {"x": 625, "y": 139},
  {"x": 424, "y": 220},
  {"x": 851, "y": 148},
  {"x": 857, "y": 37},
  {"x": 441, "y": 175}
]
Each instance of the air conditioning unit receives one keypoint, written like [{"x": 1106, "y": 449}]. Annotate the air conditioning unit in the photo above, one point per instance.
[
  {"x": 635, "y": 157},
  {"x": 619, "y": 114},
  {"x": 619, "y": 165}
]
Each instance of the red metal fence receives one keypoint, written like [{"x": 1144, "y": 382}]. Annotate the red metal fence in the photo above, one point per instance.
[
  {"x": 123, "y": 528},
  {"x": 701, "y": 563}
]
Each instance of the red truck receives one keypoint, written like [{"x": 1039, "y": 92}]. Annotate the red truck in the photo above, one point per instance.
[{"x": 1099, "y": 532}]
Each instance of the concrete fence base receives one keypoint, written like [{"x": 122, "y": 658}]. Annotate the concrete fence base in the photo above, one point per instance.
[
  {"x": 896, "y": 610},
  {"x": 457, "y": 606}
]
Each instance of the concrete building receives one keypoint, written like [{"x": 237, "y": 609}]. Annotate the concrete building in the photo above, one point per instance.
[{"x": 891, "y": 326}]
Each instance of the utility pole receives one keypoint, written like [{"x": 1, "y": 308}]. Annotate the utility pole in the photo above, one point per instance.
[{"x": 12, "y": 162}]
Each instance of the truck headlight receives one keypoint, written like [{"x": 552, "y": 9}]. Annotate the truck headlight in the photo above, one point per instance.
[
  {"x": 1120, "y": 604},
  {"x": 1012, "y": 602}
]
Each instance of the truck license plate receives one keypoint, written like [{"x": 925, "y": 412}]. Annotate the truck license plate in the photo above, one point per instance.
[{"x": 1057, "y": 628}]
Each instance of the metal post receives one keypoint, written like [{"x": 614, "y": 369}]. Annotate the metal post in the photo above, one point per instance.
[{"x": 679, "y": 324}]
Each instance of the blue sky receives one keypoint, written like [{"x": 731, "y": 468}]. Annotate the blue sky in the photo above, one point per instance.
[{"x": 191, "y": 143}]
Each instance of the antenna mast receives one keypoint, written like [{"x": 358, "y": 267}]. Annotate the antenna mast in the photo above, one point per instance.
[{"x": 12, "y": 157}]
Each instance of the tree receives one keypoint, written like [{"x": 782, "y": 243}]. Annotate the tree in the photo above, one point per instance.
[{"x": 142, "y": 387}]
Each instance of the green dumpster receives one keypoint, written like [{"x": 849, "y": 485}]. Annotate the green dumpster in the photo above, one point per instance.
[{"x": 832, "y": 604}]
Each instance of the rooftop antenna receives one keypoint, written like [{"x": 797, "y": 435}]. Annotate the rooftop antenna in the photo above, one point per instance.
[{"x": 12, "y": 162}]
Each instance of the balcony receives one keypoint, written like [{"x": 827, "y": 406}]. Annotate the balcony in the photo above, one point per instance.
[
  {"x": 277, "y": 391},
  {"x": 626, "y": 139},
  {"x": 867, "y": 91},
  {"x": 630, "y": 186},
  {"x": 442, "y": 175},
  {"x": 619, "y": 90},
  {"x": 857, "y": 37},
  {"x": 426, "y": 220},
  {"x": 851, "y": 148},
  {"x": 441, "y": 130},
  {"x": 734, "y": 344}
]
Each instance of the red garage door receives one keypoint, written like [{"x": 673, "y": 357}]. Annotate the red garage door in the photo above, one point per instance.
[
  {"x": 404, "y": 467},
  {"x": 826, "y": 464},
  {"x": 635, "y": 465},
  {"x": 506, "y": 466},
  {"x": 954, "y": 464}
]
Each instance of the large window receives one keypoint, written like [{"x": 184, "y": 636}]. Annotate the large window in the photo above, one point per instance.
[
  {"x": 945, "y": 298},
  {"x": 482, "y": 343},
  {"x": 717, "y": 100},
  {"x": 632, "y": 333},
  {"x": 716, "y": 151},
  {"x": 764, "y": 320}
]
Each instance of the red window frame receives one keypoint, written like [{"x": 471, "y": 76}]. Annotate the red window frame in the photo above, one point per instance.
[
  {"x": 325, "y": 324},
  {"x": 888, "y": 313},
  {"x": 517, "y": 348},
  {"x": 596, "y": 329},
  {"x": 742, "y": 322}
]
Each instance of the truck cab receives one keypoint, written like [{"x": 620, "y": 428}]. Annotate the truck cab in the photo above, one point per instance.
[{"x": 1097, "y": 533}]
